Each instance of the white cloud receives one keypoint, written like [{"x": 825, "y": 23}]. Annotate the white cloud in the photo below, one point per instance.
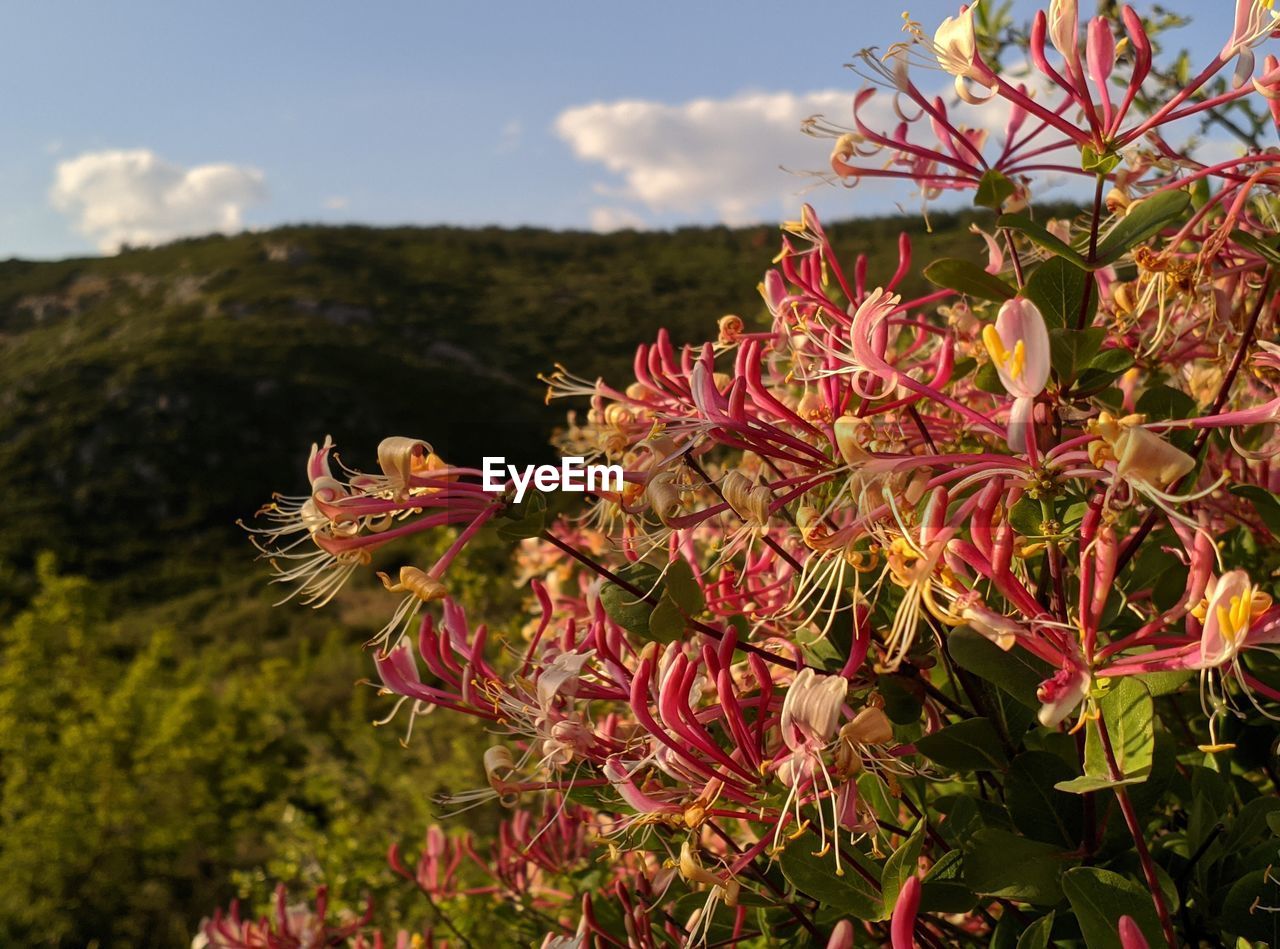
[
  {"x": 337, "y": 202},
  {"x": 721, "y": 155},
  {"x": 135, "y": 197},
  {"x": 607, "y": 218},
  {"x": 740, "y": 159}
]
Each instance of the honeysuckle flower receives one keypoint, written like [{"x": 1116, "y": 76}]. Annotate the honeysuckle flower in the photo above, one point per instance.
[
  {"x": 420, "y": 588},
  {"x": 811, "y": 710},
  {"x": 1018, "y": 344},
  {"x": 956, "y": 47},
  {"x": 1230, "y": 615},
  {"x": 1000, "y": 629},
  {"x": 1062, "y": 694},
  {"x": 1139, "y": 454},
  {"x": 1254, "y": 20},
  {"x": 290, "y": 925}
]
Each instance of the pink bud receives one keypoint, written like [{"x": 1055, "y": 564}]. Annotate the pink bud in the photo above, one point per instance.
[
  {"x": 1130, "y": 935},
  {"x": 841, "y": 936},
  {"x": 1141, "y": 45},
  {"x": 1100, "y": 50},
  {"x": 1064, "y": 28},
  {"x": 904, "y": 915}
]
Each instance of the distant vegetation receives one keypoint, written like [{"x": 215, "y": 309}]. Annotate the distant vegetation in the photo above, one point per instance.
[{"x": 166, "y": 738}]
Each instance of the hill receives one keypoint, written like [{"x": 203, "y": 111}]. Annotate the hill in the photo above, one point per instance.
[{"x": 148, "y": 400}]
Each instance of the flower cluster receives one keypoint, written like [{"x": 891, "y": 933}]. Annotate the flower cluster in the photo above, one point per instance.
[{"x": 886, "y": 538}]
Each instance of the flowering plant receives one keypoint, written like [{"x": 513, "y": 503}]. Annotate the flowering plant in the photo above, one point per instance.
[{"x": 924, "y": 621}]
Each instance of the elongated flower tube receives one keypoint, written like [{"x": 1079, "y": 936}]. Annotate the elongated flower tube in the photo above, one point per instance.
[
  {"x": 903, "y": 920},
  {"x": 1018, "y": 344}
]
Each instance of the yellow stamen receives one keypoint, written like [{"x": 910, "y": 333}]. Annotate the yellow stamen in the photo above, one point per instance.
[
  {"x": 1018, "y": 359},
  {"x": 1011, "y": 361},
  {"x": 994, "y": 344}
]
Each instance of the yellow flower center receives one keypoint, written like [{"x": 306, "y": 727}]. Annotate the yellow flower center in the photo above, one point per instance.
[
  {"x": 1011, "y": 362},
  {"x": 1236, "y": 617}
]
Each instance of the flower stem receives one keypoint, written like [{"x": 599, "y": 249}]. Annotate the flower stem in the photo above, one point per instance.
[
  {"x": 1083, "y": 316},
  {"x": 1135, "y": 830}
]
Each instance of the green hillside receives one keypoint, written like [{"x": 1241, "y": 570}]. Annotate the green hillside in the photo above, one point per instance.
[{"x": 167, "y": 739}]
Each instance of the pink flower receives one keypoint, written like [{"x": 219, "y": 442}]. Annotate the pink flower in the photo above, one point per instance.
[
  {"x": 1061, "y": 695},
  {"x": 1231, "y": 612},
  {"x": 1018, "y": 344},
  {"x": 956, "y": 47}
]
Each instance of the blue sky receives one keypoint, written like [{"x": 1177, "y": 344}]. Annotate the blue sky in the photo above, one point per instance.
[{"x": 396, "y": 112}]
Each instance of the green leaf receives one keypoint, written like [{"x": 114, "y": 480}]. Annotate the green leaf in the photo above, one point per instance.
[
  {"x": 1165, "y": 402},
  {"x": 874, "y": 793},
  {"x": 683, "y": 588},
  {"x": 624, "y": 607},
  {"x": 903, "y": 698},
  {"x": 1038, "y": 809},
  {"x": 943, "y": 889},
  {"x": 1017, "y": 672},
  {"x": 970, "y": 745},
  {"x": 998, "y": 863},
  {"x": 1070, "y": 350},
  {"x": 900, "y": 866},
  {"x": 1100, "y": 163},
  {"x": 1251, "y": 824},
  {"x": 1039, "y": 235},
  {"x": 1113, "y": 360},
  {"x": 1143, "y": 220},
  {"x": 667, "y": 622},
  {"x": 1056, "y": 287},
  {"x": 1099, "y": 898},
  {"x": 988, "y": 380},
  {"x": 1269, "y": 253},
  {"x": 816, "y": 877},
  {"x": 993, "y": 188},
  {"x": 1236, "y": 915},
  {"x": 1166, "y": 683},
  {"x": 1027, "y": 518},
  {"x": 969, "y": 279},
  {"x": 1128, "y": 713},
  {"x": 1103, "y": 369},
  {"x": 1036, "y": 936},
  {"x": 526, "y": 519},
  {"x": 1265, "y": 504},
  {"x": 966, "y": 815}
]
